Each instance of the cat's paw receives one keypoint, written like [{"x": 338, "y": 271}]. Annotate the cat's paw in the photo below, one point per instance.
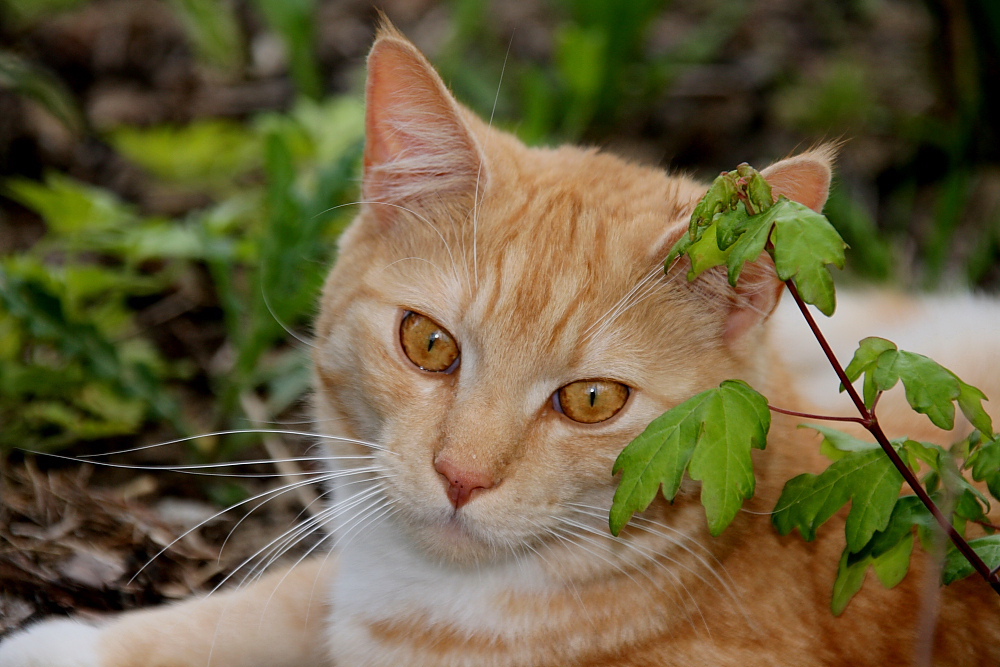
[{"x": 55, "y": 643}]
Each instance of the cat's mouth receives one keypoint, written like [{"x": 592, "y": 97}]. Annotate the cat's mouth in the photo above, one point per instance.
[{"x": 455, "y": 538}]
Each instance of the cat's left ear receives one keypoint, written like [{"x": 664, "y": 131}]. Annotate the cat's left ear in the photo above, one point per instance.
[
  {"x": 803, "y": 178},
  {"x": 418, "y": 143}
]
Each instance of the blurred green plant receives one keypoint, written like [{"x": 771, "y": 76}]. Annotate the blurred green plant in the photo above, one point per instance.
[
  {"x": 214, "y": 30},
  {"x": 295, "y": 22},
  {"x": 64, "y": 374},
  {"x": 26, "y": 12},
  {"x": 42, "y": 87},
  {"x": 602, "y": 71},
  {"x": 76, "y": 362},
  {"x": 217, "y": 35}
]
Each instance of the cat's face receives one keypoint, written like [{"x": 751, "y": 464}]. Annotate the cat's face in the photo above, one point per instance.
[{"x": 499, "y": 323}]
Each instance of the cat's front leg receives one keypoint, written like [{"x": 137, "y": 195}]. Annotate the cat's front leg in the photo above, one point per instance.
[{"x": 279, "y": 621}]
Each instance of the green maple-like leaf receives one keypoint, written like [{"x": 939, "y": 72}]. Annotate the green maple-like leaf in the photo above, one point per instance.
[
  {"x": 805, "y": 243},
  {"x": 705, "y": 253},
  {"x": 890, "y": 568},
  {"x": 749, "y": 243},
  {"x": 757, "y": 188},
  {"x": 909, "y": 511},
  {"x": 970, "y": 401},
  {"x": 863, "y": 362},
  {"x": 735, "y": 421},
  {"x": 931, "y": 389},
  {"x": 888, "y": 552},
  {"x": 892, "y": 565},
  {"x": 866, "y": 478},
  {"x": 837, "y": 444},
  {"x": 731, "y": 225},
  {"x": 986, "y": 466},
  {"x": 679, "y": 249},
  {"x": 721, "y": 196},
  {"x": 850, "y": 578},
  {"x": 956, "y": 566},
  {"x": 711, "y": 433}
]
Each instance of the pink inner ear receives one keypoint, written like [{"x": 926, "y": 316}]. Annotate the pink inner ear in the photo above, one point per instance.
[
  {"x": 755, "y": 302},
  {"x": 803, "y": 178},
  {"x": 417, "y": 141}
]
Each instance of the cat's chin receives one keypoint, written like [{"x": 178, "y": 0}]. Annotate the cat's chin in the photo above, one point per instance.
[{"x": 454, "y": 541}]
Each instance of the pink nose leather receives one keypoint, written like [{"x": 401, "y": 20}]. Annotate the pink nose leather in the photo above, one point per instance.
[{"x": 462, "y": 482}]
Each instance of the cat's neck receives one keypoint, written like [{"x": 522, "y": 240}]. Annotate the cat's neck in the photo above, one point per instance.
[{"x": 584, "y": 594}]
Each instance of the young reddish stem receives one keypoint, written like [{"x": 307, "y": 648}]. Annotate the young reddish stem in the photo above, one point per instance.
[
  {"x": 806, "y": 415},
  {"x": 991, "y": 526},
  {"x": 870, "y": 422}
]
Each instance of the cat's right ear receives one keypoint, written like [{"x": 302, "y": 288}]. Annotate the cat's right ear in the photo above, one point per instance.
[{"x": 417, "y": 143}]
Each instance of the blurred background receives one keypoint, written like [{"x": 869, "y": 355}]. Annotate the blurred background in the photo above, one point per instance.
[{"x": 174, "y": 174}]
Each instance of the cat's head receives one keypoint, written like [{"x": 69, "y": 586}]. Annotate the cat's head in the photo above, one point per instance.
[{"x": 499, "y": 322}]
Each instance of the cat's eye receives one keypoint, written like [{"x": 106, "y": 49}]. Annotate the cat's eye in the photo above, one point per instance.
[
  {"x": 427, "y": 343},
  {"x": 591, "y": 401}
]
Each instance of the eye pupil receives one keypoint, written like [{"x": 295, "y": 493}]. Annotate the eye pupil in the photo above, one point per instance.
[
  {"x": 433, "y": 338},
  {"x": 593, "y": 395}
]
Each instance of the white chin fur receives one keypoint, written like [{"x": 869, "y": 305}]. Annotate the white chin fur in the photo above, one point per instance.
[{"x": 61, "y": 643}]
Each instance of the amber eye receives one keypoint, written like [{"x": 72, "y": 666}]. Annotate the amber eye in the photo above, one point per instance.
[
  {"x": 427, "y": 343},
  {"x": 591, "y": 401}
]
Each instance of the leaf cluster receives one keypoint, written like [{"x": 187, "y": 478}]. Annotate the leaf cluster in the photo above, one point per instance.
[
  {"x": 881, "y": 524},
  {"x": 736, "y": 221}
]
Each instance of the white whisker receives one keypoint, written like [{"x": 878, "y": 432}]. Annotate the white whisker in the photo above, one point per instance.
[
  {"x": 271, "y": 492},
  {"x": 610, "y": 315},
  {"x": 648, "y": 555},
  {"x": 293, "y": 536},
  {"x": 274, "y": 315},
  {"x": 680, "y": 540},
  {"x": 238, "y": 431},
  {"x": 330, "y": 476},
  {"x": 479, "y": 173}
]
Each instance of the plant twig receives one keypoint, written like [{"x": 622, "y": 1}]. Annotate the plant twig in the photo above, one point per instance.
[
  {"x": 806, "y": 415},
  {"x": 870, "y": 422},
  {"x": 987, "y": 524}
]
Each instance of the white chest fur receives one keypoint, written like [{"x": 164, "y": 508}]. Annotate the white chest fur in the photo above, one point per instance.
[{"x": 382, "y": 580}]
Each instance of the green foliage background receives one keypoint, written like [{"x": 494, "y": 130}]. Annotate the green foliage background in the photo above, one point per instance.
[{"x": 166, "y": 219}]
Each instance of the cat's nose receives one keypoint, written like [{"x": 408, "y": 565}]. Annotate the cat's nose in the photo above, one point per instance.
[{"x": 462, "y": 481}]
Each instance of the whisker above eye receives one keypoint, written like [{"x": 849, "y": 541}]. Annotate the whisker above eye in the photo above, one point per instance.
[
  {"x": 412, "y": 259},
  {"x": 267, "y": 304}
]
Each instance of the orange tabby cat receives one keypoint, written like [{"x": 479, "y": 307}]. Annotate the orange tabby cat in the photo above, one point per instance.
[{"x": 497, "y": 328}]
